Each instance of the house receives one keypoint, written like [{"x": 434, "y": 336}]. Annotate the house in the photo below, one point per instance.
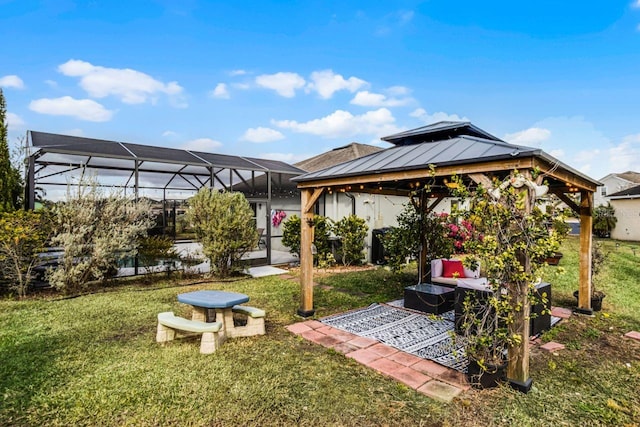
[
  {"x": 627, "y": 206},
  {"x": 613, "y": 183}
]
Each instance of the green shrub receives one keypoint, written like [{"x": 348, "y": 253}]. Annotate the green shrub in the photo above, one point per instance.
[
  {"x": 223, "y": 222},
  {"x": 95, "y": 232},
  {"x": 403, "y": 242},
  {"x": 23, "y": 235},
  {"x": 352, "y": 231},
  {"x": 322, "y": 232},
  {"x": 153, "y": 249},
  {"x": 604, "y": 220}
]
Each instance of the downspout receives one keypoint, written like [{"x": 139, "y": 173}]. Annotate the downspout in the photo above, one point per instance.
[{"x": 353, "y": 202}]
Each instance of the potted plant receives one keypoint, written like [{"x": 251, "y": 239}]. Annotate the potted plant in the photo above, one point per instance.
[{"x": 598, "y": 258}]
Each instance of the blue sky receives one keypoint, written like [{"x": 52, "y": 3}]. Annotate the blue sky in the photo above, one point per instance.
[{"x": 291, "y": 79}]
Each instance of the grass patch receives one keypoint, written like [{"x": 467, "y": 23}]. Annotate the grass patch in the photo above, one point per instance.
[{"x": 93, "y": 360}]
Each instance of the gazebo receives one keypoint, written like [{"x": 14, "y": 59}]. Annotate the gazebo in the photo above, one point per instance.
[{"x": 435, "y": 153}]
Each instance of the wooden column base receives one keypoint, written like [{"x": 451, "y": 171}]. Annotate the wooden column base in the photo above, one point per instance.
[
  {"x": 306, "y": 313},
  {"x": 523, "y": 387}
]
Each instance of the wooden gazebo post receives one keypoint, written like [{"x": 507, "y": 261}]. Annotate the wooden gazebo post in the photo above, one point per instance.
[
  {"x": 586, "y": 242},
  {"x": 307, "y": 201}
]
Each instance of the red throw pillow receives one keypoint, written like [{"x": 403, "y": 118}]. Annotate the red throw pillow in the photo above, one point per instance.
[{"x": 450, "y": 268}]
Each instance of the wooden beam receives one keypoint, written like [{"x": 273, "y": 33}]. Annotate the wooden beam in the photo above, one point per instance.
[
  {"x": 586, "y": 222},
  {"x": 425, "y": 173},
  {"x": 563, "y": 175},
  {"x": 480, "y": 178},
  {"x": 435, "y": 203},
  {"x": 306, "y": 256},
  {"x": 572, "y": 205},
  {"x": 308, "y": 206}
]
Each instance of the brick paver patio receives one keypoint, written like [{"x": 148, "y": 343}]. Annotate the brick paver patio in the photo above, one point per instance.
[{"x": 425, "y": 376}]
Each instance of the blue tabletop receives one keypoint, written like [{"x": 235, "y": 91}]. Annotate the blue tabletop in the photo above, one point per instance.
[{"x": 213, "y": 299}]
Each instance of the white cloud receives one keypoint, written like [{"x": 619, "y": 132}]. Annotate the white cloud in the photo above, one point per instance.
[
  {"x": 14, "y": 121},
  {"x": 169, "y": 133},
  {"x": 370, "y": 99},
  {"x": 285, "y": 84},
  {"x": 234, "y": 73},
  {"x": 558, "y": 153},
  {"x": 262, "y": 134},
  {"x": 422, "y": 115},
  {"x": 344, "y": 124},
  {"x": 532, "y": 137},
  {"x": 202, "y": 144},
  {"x": 241, "y": 86},
  {"x": 398, "y": 91},
  {"x": 11, "y": 81},
  {"x": 636, "y": 3},
  {"x": 626, "y": 155},
  {"x": 326, "y": 83},
  {"x": 51, "y": 83},
  {"x": 285, "y": 157},
  {"x": 82, "y": 109},
  {"x": 130, "y": 86},
  {"x": 221, "y": 91}
]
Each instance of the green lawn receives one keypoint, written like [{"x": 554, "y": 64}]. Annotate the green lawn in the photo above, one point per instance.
[{"x": 92, "y": 360}]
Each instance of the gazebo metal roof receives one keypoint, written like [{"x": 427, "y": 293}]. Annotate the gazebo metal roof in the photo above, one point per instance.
[{"x": 448, "y": 154}]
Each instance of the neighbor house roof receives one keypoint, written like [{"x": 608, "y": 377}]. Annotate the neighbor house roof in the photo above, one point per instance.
[
  {"x": 629, "y": 193},
  {"x": 337, "y": 155},
  {"x": 630, "y": 176}
]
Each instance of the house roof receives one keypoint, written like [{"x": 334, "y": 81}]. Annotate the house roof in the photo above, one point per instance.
[
  {"x": 630, "y": 176},
  {"x": 629, "y": 193},
  {"x": 438, "y": 131},
  {"x": 337, "y": 155}
]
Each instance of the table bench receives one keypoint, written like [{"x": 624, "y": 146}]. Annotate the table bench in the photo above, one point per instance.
[
  {"x": 255, "y": 322},
  {"x": 169, "y": 324}
]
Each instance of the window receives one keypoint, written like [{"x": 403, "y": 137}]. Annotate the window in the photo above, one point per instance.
[{"x": 604, "y": 191}]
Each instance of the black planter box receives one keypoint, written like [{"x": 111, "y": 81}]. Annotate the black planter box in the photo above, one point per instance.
[
  {"x": 429, "y": 298},
  {"x": 538, "y": 323}
]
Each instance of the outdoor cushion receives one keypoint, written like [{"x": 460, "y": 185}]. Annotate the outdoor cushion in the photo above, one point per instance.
[
  {"x": 471, "y": 273},
  {"x": 450, "y": 268},
  {"x": 480, "y": 284},
  {"x": 436, "y": 267}
]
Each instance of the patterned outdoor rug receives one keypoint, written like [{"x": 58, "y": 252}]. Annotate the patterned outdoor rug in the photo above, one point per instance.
[{"x": 424, "y": 335}]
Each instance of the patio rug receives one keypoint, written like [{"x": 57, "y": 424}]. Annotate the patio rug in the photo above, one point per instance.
[{"x": 423, "y": 335}]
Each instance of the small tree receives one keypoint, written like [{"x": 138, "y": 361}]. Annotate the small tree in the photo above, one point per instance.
[
  {"x": 10, "y": 178},
  {"x": 223, "y": 222},
  {"x": 23, "y": 235},
  {"x": 403, "y": 242},
  {"x": 95, "y": 232},
  {"x": 604, "y": 220},
  {"x": 352, "y": 231}
]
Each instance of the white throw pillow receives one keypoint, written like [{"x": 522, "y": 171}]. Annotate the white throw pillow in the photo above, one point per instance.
[
  {"x": 436, "y": 268},
  {"x": 472, "y": 273}
]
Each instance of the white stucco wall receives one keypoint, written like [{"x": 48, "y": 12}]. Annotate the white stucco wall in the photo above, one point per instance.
[
  {"x": 628, "y": 214},
  {"x": 612, "y": 184}
]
